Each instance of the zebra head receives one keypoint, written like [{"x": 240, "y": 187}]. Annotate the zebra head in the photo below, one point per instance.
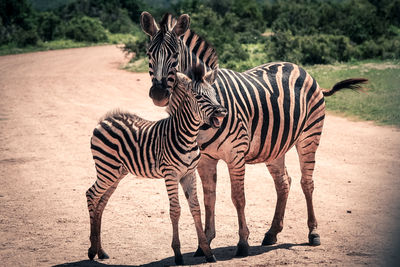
[
  {"x": 163, "y": 53},
  {"x": 202, "y": 96}
]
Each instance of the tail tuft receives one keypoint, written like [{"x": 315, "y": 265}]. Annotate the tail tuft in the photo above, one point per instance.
[{"x": 353, "y": 84}]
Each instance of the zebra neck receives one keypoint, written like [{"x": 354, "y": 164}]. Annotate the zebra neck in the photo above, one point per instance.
[
  {"x": 193, "y": 49},
  {"x": 185, "y": 123},
  {"x": 176, "y": 99}
]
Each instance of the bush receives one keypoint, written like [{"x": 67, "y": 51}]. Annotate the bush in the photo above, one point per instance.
[
  {"x": 86, "y": 29},
  {"x": 137, "y": 47},
  {"x": 25, "y": 37},
  {"x": 49, "y": 26},
  {"x": 310, "y": 49},
  {"x": 382, "y": 48},
  {"x": 119, "y": 22}
]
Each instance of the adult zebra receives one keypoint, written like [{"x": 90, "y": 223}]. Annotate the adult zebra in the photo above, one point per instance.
[
  {"x": 124, "y": 143},
  {"x": 271, "y": 108}
]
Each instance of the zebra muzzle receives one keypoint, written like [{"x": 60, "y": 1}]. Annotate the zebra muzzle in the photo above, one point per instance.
[
  {"x": 159, "y": 92},
  {"x": 217, "y": 117}
]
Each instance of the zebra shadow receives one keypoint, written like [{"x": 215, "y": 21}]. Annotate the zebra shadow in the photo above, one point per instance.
[{"x": 222, "y": 254}]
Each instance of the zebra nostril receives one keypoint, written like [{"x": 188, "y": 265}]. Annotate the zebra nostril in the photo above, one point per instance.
[
  {"x": 220, "y": 112},
  {"x": 157, "y": 82}
]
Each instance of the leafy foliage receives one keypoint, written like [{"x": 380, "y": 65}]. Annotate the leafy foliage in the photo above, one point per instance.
[
  {"x": 300, "y": 31},
  {"x": 49, "y": 26},
  {"x": 137, "y": 46},
  {"x": 86, "y": 29}
]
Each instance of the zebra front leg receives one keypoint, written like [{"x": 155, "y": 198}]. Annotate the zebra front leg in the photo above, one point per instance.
[
  {"x": 174, "y": 213},
  {"x": 236, "y": 173},
  {"x": 207, "y": 169},
  {"x": 97, "y": 197},
  {"x": 282, "y": 182},
  {"x": 188, "y": 184},
  {"x": 306, "y": 151}
]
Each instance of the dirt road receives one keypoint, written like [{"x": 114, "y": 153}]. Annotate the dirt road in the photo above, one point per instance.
[{"x": 51, "y": 101}]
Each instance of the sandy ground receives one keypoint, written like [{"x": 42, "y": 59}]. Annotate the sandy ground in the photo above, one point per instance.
[{"x": 51, "y": 101}]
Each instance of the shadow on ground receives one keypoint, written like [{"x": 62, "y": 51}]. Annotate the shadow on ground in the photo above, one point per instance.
[{"x": 222, "y": 254}]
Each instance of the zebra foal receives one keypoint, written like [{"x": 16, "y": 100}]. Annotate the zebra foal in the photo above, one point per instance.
[{"x": 124, "y": 143}]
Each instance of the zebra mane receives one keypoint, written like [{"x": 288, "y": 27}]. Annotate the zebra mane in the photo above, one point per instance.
[
  {"x": 120, "y": 115},
  {"x": 203, "y": 50},
  {"x": 196, "y": 73},
  {"x": 167, "y": 22}
]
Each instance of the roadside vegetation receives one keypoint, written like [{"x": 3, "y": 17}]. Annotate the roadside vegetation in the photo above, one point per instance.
[
  {"x": 66, "y": 24},
  {"x": 379, "y": 102},
  {"x": 352, "y": 36}
]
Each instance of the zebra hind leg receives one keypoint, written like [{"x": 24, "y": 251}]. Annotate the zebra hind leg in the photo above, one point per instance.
[
  {"x": 188, "y": 184},
  {"x": 306, "y": 150},
  {"x": 97, "y": 198},
  {"x": 207, "y": 169},
  {"x": 236, "y": 173},
  {"x": 282, "y": 182}
]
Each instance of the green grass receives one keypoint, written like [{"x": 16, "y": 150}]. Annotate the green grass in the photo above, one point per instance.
[
  {"x": 140, "y": 65},
  {"x": 117, "y": 38},
  {"x": 380, "y": 102},
  {"x": 120, "y": 38}
]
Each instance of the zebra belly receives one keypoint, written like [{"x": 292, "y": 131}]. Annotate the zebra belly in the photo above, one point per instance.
[{"x": 275, "y": 139}]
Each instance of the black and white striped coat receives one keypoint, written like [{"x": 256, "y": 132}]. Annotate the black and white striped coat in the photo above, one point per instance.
[{"x": 271, "y": 108}]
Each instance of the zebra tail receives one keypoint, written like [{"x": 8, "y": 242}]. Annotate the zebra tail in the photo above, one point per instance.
[{"x": 354, "y": 84}]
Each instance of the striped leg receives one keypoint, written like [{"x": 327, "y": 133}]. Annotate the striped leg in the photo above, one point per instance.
[
  {"x": 188, "y": 184},
  {"x": 207, "y": 169},
  {"x": 236, "y": 173},
  {"x": 97, "y": 198},
  {"x": 306, "y": 150},
  {"x": 174, "y": 214},
  {"x": 282, "y": 182}
]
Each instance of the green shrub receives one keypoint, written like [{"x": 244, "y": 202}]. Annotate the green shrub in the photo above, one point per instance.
[
  {"x": 86, "y": 29},
  {"x": 137, "y": 46},
  {"x": 118, "y": 22},
  {"x": 18, "y": 24},
  {"x": 49, "y": 26},
  {"x": 25, "y": 37},
  {"x": 381, "y": 48},
  {"x": 310, "y": 49}
]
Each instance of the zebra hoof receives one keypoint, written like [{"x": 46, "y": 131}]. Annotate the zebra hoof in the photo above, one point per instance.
[
  {"x": 314, "y": 239},
  {"x": 211, "y": 259},
  {"x": 103, "y": 255},
  {"x": 199, "y": 252},
  {"x": 91, "y": 253},
  {"x": 179, "y": 260},
  {"x": 242, "y": 250},
  {"x": 269, "y": 239}
]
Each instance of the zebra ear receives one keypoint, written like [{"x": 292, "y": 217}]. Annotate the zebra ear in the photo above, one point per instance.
[
  {"x": 182, "y": 25},
  {"x": 149, "y": 25},
  {"x": 210, "y": 76},
  {"x": 182, "y": 79}
]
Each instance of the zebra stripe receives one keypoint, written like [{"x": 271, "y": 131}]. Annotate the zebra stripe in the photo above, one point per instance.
[
  {"x": 124, "y": 143},
  {"x": 271, "y": 108}
]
